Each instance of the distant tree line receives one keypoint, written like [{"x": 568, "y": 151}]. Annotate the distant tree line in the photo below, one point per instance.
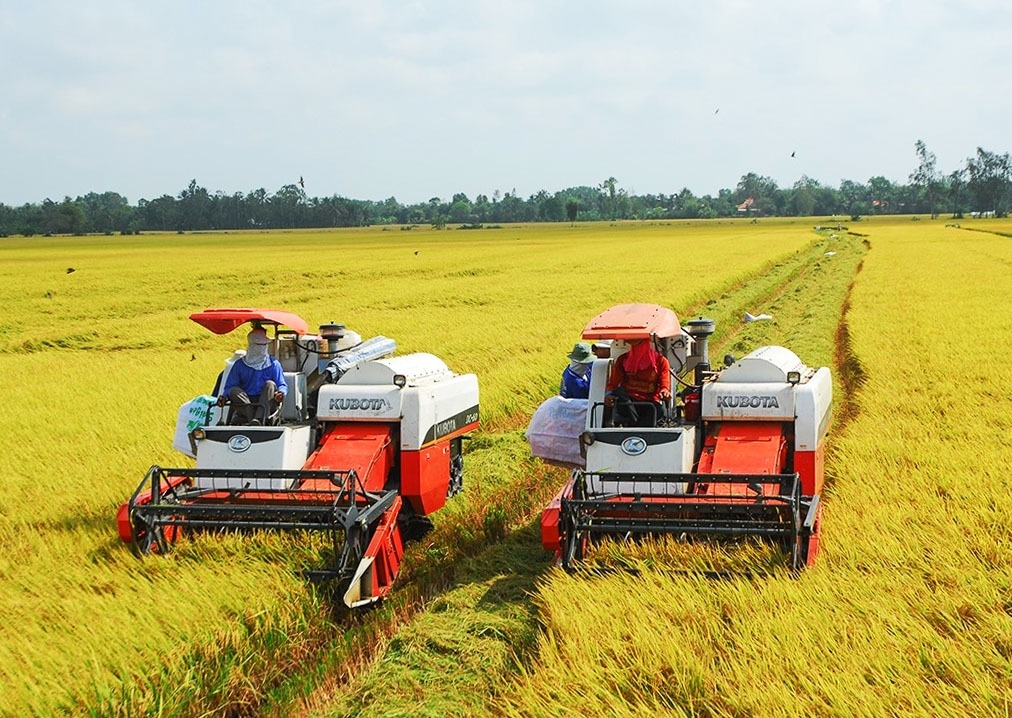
[{"x": 983, "y": 185}]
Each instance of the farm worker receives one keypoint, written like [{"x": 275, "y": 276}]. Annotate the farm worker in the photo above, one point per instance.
[
  {"x": 576, "y": 377},
  {"x": 642, "y": 374},
  {"x": 257, "y": 380}
]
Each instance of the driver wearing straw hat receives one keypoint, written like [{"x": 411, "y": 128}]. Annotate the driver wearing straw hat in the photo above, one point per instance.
[
  {"x": 576, "y": 377},
  {"x": 257, "y": 380}
]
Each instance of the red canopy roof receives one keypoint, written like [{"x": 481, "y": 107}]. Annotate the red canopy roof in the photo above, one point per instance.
[
  {"x": 222, "y": 321},
  {"x": 633, "y": 321}
]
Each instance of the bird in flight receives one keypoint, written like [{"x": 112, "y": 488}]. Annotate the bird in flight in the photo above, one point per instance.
[
  {"x": 792, "y": 154},
  {"x": 302, "y": 182}
]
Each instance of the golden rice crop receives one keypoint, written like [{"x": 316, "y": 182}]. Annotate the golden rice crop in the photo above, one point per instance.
[
  {"x": 908, "y": 610},
  {"x": 805, "y": 294},
  {"x": 99, "y": 359}
]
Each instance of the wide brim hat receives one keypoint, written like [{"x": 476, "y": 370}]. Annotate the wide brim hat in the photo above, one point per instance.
[
  {"x": 258, "y": 336},
  {"x": 581, "y": 353}
]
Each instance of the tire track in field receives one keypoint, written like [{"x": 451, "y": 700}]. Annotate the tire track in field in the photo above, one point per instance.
[
  {"x": 849, "y": 370},
  {"x": 372, "y": 636}
]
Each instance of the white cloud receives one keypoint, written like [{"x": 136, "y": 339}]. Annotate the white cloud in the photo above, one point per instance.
[{"x": 419, "y": 99}]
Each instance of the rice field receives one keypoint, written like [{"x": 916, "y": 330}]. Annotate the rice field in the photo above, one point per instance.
[
  {"x": 909, "y": 611},
  {"x": 102, "y": 356}
]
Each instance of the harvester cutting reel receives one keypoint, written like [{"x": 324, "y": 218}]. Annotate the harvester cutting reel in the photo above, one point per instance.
[
  {"x": 170, "y": 500},
  {"x": 723, "y": 507}
]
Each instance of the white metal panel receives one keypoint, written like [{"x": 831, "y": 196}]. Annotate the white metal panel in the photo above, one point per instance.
[
  {"x": 295, "y": 399},
  {"x": 767, "y": 401},
  {"x": 365, "y": 402},
  {"x": 814, "y": 409},
  {"x": 434, "y": 411},
  {"x": 667, "y": 451},
  {"x": 765, "y": 364},
  {"x": 598, "y": 381},
  {"x": 418, "y": 369},
  {"x": 252, "y": 447}
]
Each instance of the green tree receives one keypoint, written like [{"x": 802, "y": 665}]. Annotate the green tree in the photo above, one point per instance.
[
  {"x": 853, "y": 198},
  {"x": 989, "y": 180},
  {"x": 608, "y": 195},
  {"x": 572, "y": 208},
  {"x": 460, "y": 209},
  {"x": 105, "y": 212},
  {"x": 194, "y": 208},
  {"x": 883, "y": 195},
  {"x": 925, "y": 178},
  {"x": 762, "y": 190},
  {"x": 803, "y": 197},
  {"x": 287, "y": 206},
  {"x": 957, "y": 185}
]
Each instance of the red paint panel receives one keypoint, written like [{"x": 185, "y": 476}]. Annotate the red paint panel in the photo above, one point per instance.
[
  {"x": 633, "y": 321},
  {"x": 811, "y": 466},
  {"x": 366, "y": 448},
  {"x": 386, "y": 548},
  {"x": 222, "y": 321},
  {"x": 425, "y": 477},
  {"x": 550, "y": 537},
  {"x": 755, "y": 447}
]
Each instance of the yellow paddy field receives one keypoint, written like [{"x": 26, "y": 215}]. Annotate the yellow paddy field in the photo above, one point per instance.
[{"x": 908, "y": 611}]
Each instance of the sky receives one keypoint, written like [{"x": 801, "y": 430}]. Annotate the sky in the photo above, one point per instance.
[{"x": 413, "y": 100}]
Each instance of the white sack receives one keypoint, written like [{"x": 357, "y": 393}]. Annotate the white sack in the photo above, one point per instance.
[
  {"x": 554, "y": 431},
  {"x": 191, "y": 415}
]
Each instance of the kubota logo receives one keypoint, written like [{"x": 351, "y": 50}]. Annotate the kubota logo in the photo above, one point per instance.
[
  {"x": 634, "y": 446},
  {"x": 239, "y": 443},
  {"x": 747, "y": 402},
  {"x": 366, "y": 404}
]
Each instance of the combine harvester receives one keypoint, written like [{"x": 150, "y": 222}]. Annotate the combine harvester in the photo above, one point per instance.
[
  {"x": 363, "y": 448},
  {"x": 740, "y": 454}
]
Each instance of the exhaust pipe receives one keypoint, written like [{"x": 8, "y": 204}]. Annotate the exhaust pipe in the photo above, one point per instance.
[
  {"x": 332, "y": 334},
  {"x": 700, "y": 330}
]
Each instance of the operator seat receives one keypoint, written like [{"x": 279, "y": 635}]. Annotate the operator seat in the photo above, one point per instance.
[
  {"x": 259, "y": 415},
  {"x": 630, "y": 413}
]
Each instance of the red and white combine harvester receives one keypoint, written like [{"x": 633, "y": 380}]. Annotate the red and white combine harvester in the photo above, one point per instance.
[
  {"x": 738, "y": 453},
  {"x": 364, "y": 446}
]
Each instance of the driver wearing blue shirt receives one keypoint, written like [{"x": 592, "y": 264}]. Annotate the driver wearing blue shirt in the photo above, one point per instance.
[{"x": 257, "y": 380}]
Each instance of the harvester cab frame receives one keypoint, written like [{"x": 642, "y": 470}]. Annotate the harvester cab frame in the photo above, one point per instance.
[
  {"x": 740, "y": 453},
  {"x": 368, "y": 445}
]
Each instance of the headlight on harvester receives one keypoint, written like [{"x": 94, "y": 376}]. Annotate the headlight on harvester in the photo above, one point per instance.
[
  {"x": 199, "y": 434},
  {"x": 400, "y": 381},
  {"x": 793, "y": 377}
]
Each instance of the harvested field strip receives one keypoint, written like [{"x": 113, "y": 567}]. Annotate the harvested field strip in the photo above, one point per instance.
[{"x": 450, "y": 656}]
